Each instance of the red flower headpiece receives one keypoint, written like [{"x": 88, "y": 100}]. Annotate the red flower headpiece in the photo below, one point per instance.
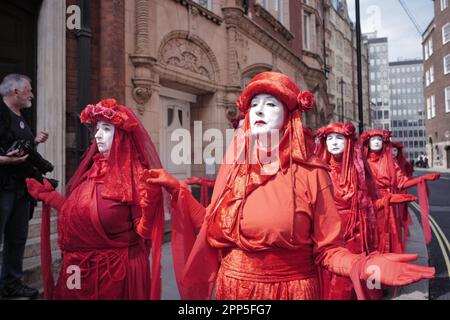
[
  {"x": 384, "y": 134},
  {"x": 280, "y": 86},
  {"x": 109, "y": 111},
  {"x": 346, "y": 129}
]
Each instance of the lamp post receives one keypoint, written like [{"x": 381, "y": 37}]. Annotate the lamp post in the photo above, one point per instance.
[
  {"x": 342, "y": 83},
  {"x": 358, "y": 54}
]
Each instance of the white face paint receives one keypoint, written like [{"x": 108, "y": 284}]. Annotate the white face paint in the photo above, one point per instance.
[
  {"x": 394, "y": 152},
  {"x": 376, "y": 143},
  {"x": 266, "y": 114},
  {"x": 336, "y": 143},
  {"x": 104, "y": 137}
]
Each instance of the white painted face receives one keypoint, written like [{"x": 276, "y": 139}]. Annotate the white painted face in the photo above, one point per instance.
[
  {"x": 104, "y": 136},
  {"x": 394, "y": 152},
  {"x": 376, "y": 143},
  {"x": 336, "y": 143},
  {"x": 266, "y": 114}
]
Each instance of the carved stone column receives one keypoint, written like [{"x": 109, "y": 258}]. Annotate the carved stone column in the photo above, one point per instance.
[
  {"x": 233, "y": 86},
  {"x": 144, "y": 79}
]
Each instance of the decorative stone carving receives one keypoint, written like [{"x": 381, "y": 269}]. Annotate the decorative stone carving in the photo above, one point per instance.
[
  {"x": 144, "y": 78},
  {"x": 185, "y": 54}
]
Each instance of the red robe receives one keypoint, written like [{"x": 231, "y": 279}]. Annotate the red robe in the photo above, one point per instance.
[
  {"x": 389, "y": 232},
  {"x": 99, "y": 236},
  {"x": 268, "y": 252}
]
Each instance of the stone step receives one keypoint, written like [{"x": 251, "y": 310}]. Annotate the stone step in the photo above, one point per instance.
[
  {"x": 38, "y": 212},
  {"x": 32, "y": 267}
]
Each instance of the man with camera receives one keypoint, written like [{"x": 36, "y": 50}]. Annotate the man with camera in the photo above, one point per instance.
[{"x": 15, "y": 204}]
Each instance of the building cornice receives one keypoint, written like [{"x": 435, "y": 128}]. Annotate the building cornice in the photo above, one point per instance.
[
  {"x": 234, "y": 16},
  {"x": 191, "y": 5},
  {"x": 277, "y": 25}
]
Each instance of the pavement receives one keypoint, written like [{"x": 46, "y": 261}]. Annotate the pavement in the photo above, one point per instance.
[
  {"x": 415, "y": 291},
  {"x": 415, "y": 244}
]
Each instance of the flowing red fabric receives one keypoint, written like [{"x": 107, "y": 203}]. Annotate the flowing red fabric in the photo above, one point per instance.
[
  {"x": 46, "y": 254},
  {"x": 131, "y": 152},
  {"x": 408, "y": 171},
  {"x": 423, "y": 195},
  {"x": 205, "y": 186}
]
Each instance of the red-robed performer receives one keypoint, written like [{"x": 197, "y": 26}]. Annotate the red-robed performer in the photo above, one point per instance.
[
  {"x": 389, "y": 178},
  {"x": 355, "y": 198},
  {"x": 103, "y": 230},
  {"x": 271, "y": 222},
  {"x": 408, "y": 170}
]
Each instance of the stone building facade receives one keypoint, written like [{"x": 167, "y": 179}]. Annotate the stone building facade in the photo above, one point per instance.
[{"x": 342, "y": 66}]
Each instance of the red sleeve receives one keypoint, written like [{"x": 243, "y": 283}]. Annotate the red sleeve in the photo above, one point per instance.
[
  {"x": 194, "y": 209},
  {"x": 143, "y": 220},
  {"x": 329, "y": 248}
]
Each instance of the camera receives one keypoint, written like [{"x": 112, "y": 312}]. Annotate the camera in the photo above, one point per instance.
[
  {"x": 34, "y": 157},
  {"x": 36, "y": 166}
]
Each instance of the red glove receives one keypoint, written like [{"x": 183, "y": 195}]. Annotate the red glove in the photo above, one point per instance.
[
  {"x": 402, "y": 198},
  {"x": 162, "y": 178},
  {"x": 394, "y": 199},
  {"x": 431, "y": 177},
  {"x": 45, "y": 193},
  {"x": 150, "y": 196},
  {"x": 393, "y": 269}
]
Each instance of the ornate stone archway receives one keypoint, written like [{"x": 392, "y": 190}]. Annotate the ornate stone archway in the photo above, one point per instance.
[{"x": 187, "y": 58}]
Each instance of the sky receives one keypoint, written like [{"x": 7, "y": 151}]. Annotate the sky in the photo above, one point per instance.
[{"x": 391, "y": 21}]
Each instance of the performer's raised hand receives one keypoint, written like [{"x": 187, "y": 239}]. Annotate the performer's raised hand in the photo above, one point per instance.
[
  {"x": 402, "y": 198},
  {"x": 394, "y": 269},
  {"x": 431, "y": 176},
  {"x": 162, "y": 178},
  {"x": 45, "y": 193}
]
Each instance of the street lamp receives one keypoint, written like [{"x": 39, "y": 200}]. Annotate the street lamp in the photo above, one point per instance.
[
  {"x": 342, "y": 83},
  {"x": 359, "y": 62}
]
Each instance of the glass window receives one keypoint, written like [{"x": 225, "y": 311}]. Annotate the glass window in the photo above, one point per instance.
[
  {"x": 446, "y": 33},
  {"x": 306, "y": 31},
  {"x": 447, "y": 99},
  {"x": 447, "y": 64},
  {"x": 208, "y": 3},
  {"x": 444, "y": 4}
]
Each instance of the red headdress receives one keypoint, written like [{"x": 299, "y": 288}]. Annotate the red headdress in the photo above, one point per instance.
[
  {"x": 132, "y": 151},
  {"x": 406, "y": 167},
  {"x": 386, "y": 152},
  {"x": 355, "y": 183}
]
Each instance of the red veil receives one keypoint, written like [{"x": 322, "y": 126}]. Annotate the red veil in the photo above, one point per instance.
[{"x": 132, "y": 151}]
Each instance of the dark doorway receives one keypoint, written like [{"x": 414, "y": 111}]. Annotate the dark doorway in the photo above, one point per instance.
[{"x": 18, "y": 43}]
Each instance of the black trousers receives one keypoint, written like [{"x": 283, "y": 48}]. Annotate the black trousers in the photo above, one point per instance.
[{"x": 14, "y": 219}]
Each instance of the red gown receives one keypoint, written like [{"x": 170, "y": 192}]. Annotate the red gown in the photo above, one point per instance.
[
  {"x": 389, "y": 231},
  {"x": 99, "y": 236},
  {"x": 268, "y": 252}
]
